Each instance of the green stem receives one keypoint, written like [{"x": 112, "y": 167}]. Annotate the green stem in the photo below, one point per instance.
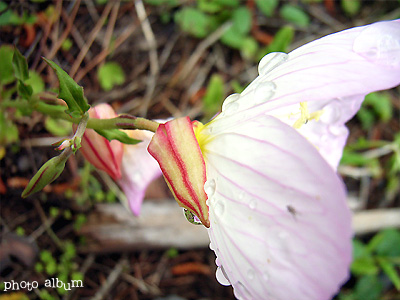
[{"x": 58, "y": 112}]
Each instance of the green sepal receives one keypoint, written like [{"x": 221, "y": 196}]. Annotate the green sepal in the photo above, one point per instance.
[
  {"x": 116, "y": 134},
  {"x": 20, "y": 66},
  {"x": 46, "y": 175},
  {"x": 70, "y": 92}
]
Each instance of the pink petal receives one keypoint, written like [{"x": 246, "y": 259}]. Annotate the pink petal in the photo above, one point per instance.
[
  {"x": 138, "y": 169},
  {"x": 280, "y": 226},
  {"x": 333, "y": 73}
]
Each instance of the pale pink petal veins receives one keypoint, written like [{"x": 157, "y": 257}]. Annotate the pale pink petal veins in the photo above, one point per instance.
[
  {"x": 138, "y": 169},
  {"x": 332, "y": 74},
  {"x": 280, "y": 226}
]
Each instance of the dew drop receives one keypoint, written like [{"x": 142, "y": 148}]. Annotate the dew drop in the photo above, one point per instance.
[
  {"x": 241, "y": 195},
  {"x": 250, "y": 274},
  {"x": 219, "y": 208},
  {"x": 222, "y": 277},
  {"x": 283, "y": 235},
  {"x": 271, "y": 61},
  {"x": 263, "y": 92},
  {"x": 253, "y": 204},
  {"x": 379, "y": 43},
  {"x": 230, "y": 99},
  {"x": 209, "y": 187},
  {"x": 230, "y": 108},
  {"x": 241, "y": 292},
  {"x": 265, "y": 276},
  {"x": 191, "y": 217}
]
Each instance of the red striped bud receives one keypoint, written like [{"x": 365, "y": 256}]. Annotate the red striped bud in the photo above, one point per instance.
[{"x": 178, "y": 153}]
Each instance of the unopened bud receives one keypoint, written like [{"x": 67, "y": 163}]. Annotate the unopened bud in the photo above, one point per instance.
[{"x": 46, "y": 174}]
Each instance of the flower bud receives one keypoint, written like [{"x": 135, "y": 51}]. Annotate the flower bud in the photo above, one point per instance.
[
  {"x": 103, "y": 154},
  {"x": 178, "y": 153},
  {"x": 46, "y": 174}
]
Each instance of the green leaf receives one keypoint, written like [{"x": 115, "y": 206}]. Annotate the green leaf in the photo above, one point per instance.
[
  {"x": 350, "y": 7},
  {"x": 386, "y": 243},
  {"x": 295, "y": 15},
  {"x": 381, "y": 104},
  {"x": 363, "y": 262},
  {"x": 35, "y": 81},
  {"x": 390, "y": 271},
  {"x": 170, "y": 3},
  {"x": 6, "y": 70},
  {"x": 24, "y": 90},
  {"x": 214, "y": 96},
  {"x": 366, "y": 118},
  {"x": 116, "y": 134},
  {"x": 249, "y": 48},
  {"x": 233, "y": 39},
  {"x": 70, "y": 92},
  {"x": 58, "y": 127},
  {"x": 194, "y": 22},
  {"x": 66, "y": 45},
  {"x": 241, "y": 19},
  {"x": 110, "y": 74},
  {"x": 20, "y": 66},
  {"x": 281, "y": 42},
  {"x": 368, "y": 288},
  {"x": 267, "y": 7},
  {"x": 8, "y": 130}
]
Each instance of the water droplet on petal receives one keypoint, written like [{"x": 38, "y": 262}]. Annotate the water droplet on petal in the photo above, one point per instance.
[
  {"x": 241, "y": 292},
  {"x": 263, "y": 92},
  {"x": 230, "y": 99},
  {"x": 253, "y": 204},
  {"x": 283, "y": 234},
  {"x": 265, "y": 276},
  {"x": 209, "y": 187},
  {"x": 219, "y": 208},
  {"x": 230, "y": 108},
  {"x": 250, "y": 274},
  {"x": 241, "y": 195},
  {"x": 221, "y": 276},
  {"x": 191, "y": 217},
  {"x": 379, "y": 43},
  {"x": 271, "y": 61}
]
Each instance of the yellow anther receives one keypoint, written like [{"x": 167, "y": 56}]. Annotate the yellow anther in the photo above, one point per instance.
[{"x": 306, "y": 115}]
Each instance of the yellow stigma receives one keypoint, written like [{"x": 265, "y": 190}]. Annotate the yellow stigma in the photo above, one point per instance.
[{"x": 306, "y": 115}]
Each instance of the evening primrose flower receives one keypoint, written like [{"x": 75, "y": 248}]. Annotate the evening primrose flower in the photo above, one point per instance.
[{"x": 273, "y": 204}]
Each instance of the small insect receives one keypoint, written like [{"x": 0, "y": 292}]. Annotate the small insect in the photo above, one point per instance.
[
  {"x": 191, "y": 217},
  {"x": 292, "y": 210}
]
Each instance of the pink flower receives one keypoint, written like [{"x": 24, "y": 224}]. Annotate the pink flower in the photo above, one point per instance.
[
  {"x": 138, "y": 169},
  {"x": 279, "y": 223},
  {"x": 100, "y": 152}
]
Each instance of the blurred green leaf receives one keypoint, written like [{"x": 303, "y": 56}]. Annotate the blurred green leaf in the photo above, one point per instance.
[
  {"x": 35, "y": 81},
  {"x": 70, "y": 92},
  {"x": 170, "y": 3},
  {"x": 390, "y": 271},
  {"x": 8, "y": 130},
  {"x": 386, "y": 243},
  {"x": 281, "y": 42},
  {"x": 241, "y": 19},
  {"x": 24, "y": 90},
  {"x": 249, "y": 48},
  {"x": 194, "y": 22},
  {"x": 20, "y": 66},
  {"x": 295, "y": 15},
  {"x": 363, "y": 262},
  {"x": 66, "y": 45},
  {"x": 368, "y": 288},
  {"x": 58, "y": 127},
  {"x": 214, "y": 96},
  {"x": 233, "y": 39},
  {"x": 110, "y": 74},
  {"x": 366, "y": 118},
  {"x": 6, "y": 70},
  {"x": 381, "y": 103},
  {"x": 351, "y": 7},
  {"x": 9, "y": 17},
  {"x": 267, "y": 7},
  {"x": 116, "y": 134}
]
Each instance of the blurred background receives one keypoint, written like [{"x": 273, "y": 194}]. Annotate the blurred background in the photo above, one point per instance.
[{"x": 161, "y": 59}]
